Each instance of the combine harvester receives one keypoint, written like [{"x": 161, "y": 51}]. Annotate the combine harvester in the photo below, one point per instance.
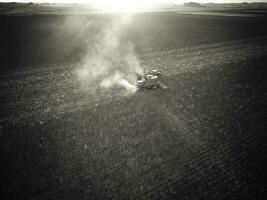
[{"x": 150, "y": 80}]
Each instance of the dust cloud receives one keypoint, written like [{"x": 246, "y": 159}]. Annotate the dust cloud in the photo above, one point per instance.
[{"x": 110, "y": 62}]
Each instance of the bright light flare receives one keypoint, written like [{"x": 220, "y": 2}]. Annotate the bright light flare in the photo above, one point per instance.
[{"x": 121, "y": 6}]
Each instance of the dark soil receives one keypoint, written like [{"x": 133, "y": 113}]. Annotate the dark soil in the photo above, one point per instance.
[
  {"x": 47, "y": 39},
  {"x": 203, "y": 138}
]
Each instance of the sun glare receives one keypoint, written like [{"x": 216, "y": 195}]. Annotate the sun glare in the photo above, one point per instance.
[{"x": 121, "y": 5}]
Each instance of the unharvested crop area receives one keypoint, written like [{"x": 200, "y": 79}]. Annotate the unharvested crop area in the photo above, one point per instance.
[{"x": 203, "y": 138}]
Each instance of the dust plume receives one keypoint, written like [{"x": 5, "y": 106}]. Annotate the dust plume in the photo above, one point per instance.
[{"x": 110, "y": 62}]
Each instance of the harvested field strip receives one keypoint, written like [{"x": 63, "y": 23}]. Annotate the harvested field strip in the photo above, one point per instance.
[{"x": 172, "y": 65}]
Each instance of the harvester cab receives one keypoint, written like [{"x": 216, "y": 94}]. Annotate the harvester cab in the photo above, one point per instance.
[{"x": 150, "y": 80}]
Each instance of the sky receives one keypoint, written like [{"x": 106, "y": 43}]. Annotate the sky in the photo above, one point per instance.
[{"x": 139, "y": 2}]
